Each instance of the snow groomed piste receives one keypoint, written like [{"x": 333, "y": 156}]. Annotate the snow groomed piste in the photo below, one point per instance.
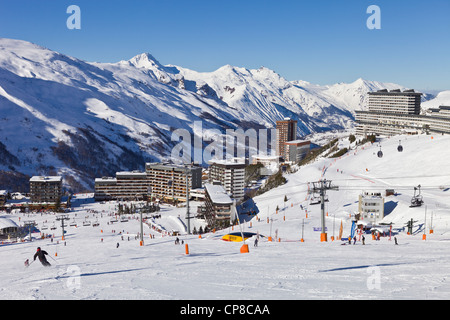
[{"x": 107, "y": 262}]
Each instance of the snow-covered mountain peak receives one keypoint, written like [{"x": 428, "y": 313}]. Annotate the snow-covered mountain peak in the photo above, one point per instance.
[
  {"x": 145, "y": 60},
  {"x": 63, "y": 115},
  {"x": 265, "y": 74},
  {"x": 360, "y": 81},
  {"x": 21, "y": 47},
  {"x": 266, "y": 71},
  {"x": 232, "y": 71}
]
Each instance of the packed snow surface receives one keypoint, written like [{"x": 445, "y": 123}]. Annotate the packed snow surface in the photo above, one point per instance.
[{"x": 91, "y": 266}]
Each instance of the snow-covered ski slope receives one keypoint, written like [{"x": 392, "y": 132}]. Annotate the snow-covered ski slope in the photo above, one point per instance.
[{"x": 89, "y": 268}]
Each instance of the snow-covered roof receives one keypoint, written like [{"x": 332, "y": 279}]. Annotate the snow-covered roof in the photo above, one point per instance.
[
  {"x": 106, "y": 180},
  {"x": 362, "y": 222},
  {"x": 131, "y": 173},
  {"x": 217, "y": 194},
  {"x": 227, "y": 162},
  {"x": 261, "y": 157},
  {"x": 298, "y": 142},
  {"x": 171, "y": 166},
  {"x": 380, "y": 229},
  {"x": 7, "y": 223},
  {"x": 46, "y": 179}
]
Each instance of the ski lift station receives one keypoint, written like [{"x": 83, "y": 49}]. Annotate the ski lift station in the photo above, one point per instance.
[{"x": 7, "y": 226}]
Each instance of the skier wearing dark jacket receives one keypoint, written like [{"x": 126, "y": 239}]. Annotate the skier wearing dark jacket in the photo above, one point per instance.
[{"x": 41, "y": 255}]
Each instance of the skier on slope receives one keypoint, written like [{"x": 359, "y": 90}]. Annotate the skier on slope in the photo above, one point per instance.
[{"x": 41, "y": 255}]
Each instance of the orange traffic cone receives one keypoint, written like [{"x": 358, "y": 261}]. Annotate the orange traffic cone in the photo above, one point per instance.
[{"x": 244, "y": 249}]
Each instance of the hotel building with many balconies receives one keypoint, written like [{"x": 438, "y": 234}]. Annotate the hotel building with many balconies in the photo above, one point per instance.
[{"x": 395, "y": 112}]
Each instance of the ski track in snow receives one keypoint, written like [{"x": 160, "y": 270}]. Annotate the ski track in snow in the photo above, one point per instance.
[{"x": 290, "y": 269}]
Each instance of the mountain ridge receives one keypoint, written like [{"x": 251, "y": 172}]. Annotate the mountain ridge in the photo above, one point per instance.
[{"x": 62, "y": 115}]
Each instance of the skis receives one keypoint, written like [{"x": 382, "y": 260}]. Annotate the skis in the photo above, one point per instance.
[{"x": 27, "y": 263}]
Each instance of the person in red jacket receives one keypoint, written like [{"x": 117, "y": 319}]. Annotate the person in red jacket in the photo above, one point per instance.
[{"x": 41, "y": 255}]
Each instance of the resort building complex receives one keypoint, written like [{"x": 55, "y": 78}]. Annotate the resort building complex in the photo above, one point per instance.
[{"x": 395, "y": 112}]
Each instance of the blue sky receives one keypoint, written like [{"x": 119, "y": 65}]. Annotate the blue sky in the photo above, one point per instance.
[{"x": 320, "y": 41}]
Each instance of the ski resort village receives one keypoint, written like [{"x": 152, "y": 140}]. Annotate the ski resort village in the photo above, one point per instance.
[{"x": 340, "y": 192}]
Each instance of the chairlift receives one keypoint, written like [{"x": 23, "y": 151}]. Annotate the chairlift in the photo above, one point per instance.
[
  {"x": 400, "y": 147},
  {"x": 96, "y": 223},
  {"x": 416, "y": 200},
  {"x": 123, "y": 219},
  {"x": 86, "y": 223},
  {"x": 44, "y": 227},
  {"x": 53, "y": 227},
  {"x": 315, "y": 200}
]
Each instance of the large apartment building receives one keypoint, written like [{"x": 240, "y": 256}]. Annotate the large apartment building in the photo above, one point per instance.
[
  {"x": 168, "y": 181},
  {"x": 230, "y": 174},
  {"x": 218, "y": 206},
  {"x": 160, "y": 181},
  {"x": 286, "y": 131},
  {"x": 296, "y": 150},
  {"x": 106, "y": 189},
  {"x": 45, "y": 189},
  {"x": 132, "y": 185},
  {"x": 395, "y": 112},
  {"x": 125, "y": 186},
  {"x": 384, "y": 101}
]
